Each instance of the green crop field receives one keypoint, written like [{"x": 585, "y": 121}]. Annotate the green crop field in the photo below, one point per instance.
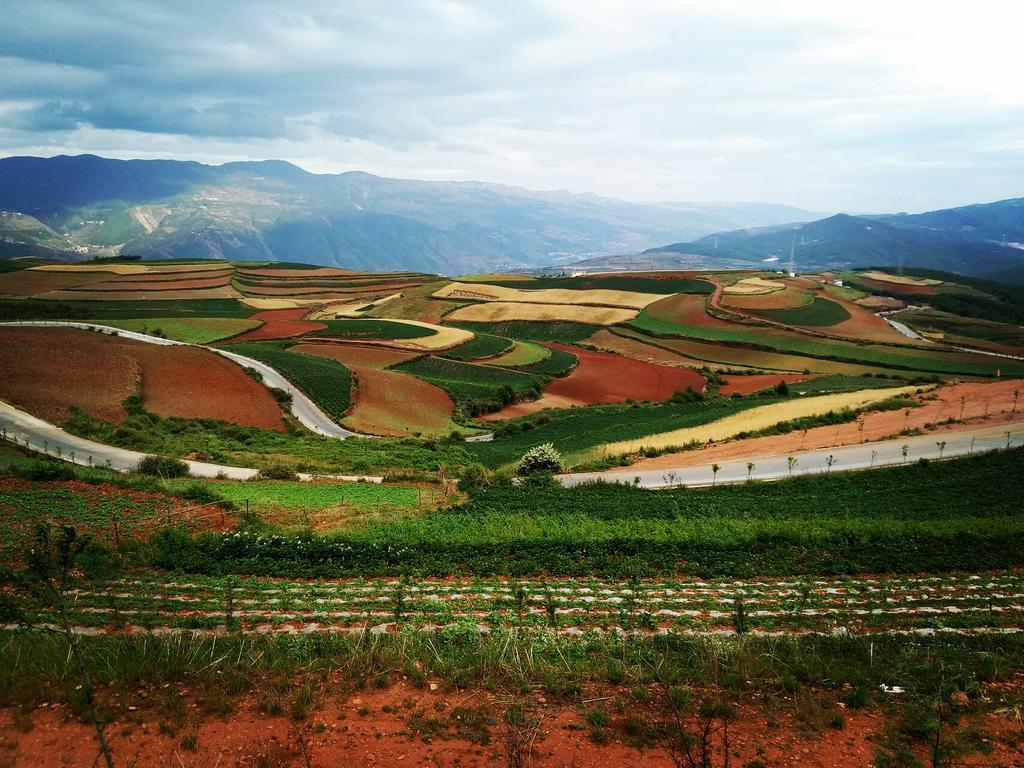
[
  {"x": 368, "y": 328},
  {"x": 98, "y": 311},
  {"x": 188, "y": 329},
  {"x": 289, "y": 494},
  {"x": 535, "y": 330},
  {"x": 474, "y": 388},
  {"x": 482, "y": 345},
  {"x": 820, "y": 312},
  {"x": 328, "y": 383},
  {"x": 522, "y": 355}
]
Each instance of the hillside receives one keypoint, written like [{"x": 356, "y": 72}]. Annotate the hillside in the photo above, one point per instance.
[{"x": 273, "y": 210}]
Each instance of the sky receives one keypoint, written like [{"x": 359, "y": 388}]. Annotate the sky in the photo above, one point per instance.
[{"x": 857, "y": 107}]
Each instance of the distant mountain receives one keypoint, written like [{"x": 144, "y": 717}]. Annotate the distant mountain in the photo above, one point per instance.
[
  {"x": 999, "y": 222},
  {"x": 844, "y": 241},
  {"x": 84, "y": 206}
]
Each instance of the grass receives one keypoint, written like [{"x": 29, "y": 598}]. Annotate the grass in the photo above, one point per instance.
[
  {"x": 523, "y": 354},
  {"x": 188, "y": 329},
  {"x": 895, "y": 519},
  {"x": 44, "y": 309},
  {"x": 474, "y": 388},
  {"x": 557, "y": 364},
  {"x": 288, "y": 494},
  {"x": 368, "y": 328},
  {"x": 326, "y": 382},
  {"x": 482, "y": 345},
  {"x": 820, "y": 312},
  {"x": 530, "y": 330}
]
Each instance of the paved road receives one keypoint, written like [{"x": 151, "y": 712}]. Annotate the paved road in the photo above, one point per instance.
[
  {"x": 862, "y": 456},
  {"x": 304, "y": 409}
]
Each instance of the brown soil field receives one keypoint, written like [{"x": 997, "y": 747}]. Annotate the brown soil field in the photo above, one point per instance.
[
  {"x": 903, "y": 289},
  {"x": 193, "y": 383},
  {"x": 221, "y": 292},
  {"x": 300, "y": 274},
  {"x": 159, "y": 277},
  {"x": 176, "y": 283},
  {"x": 280, "y": 324},
  {"x": 134, "y": 269},
  {"x": 318, "y": 290},
  {"x": 405, "y": 725},
  {"x": 29, "y": 282},
  {"x": 788, "y": 298},
  {"x": 687, "y": 309},
  {"x": 747, "y": 384},
  {"x": 864, "y": 324},
  {"x": 883, "y": 303},
  {"x": 639, "y": 350},
  {"x": 602, "y": 377},
  {"x": 47, "y": 370},
  {"x": 388, "y": 402},
  {"x": 994, "y": 399}
]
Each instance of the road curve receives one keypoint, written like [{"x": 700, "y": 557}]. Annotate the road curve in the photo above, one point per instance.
[
  {"x": 776, "y": 467},
  {"x": 304, "y": 409}
]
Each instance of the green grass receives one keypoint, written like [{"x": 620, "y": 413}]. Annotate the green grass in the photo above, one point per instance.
[
  {"x": 534, "y": 330},
  {"x": 826, "y": 385},
  {"x": 523, "y": 355},
  {"x": 559, "y": 363},
  {"x": 188, "y": 329},
  {"x": 661, "y": 285},
  {"x": 327, "y": 383},
  {"x": 367, "y": 328},
  {"x": 474, "y": 388},
  {"x": 574, "y": 430},
  {"x": 899, "y": 519},
  {"x": 820, "y": 312},
  {"x": 98, "y": 311},
  {"x": 482, "y": 345},
  {"x": 317, "y": 495}
]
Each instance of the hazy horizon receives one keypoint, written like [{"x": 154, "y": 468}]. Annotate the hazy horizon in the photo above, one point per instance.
[{"x": 905, "y": 107}]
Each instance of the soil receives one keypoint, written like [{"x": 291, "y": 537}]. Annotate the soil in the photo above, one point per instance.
[
  {"x": 602, "y": 377},
  {"x": 687, "y": 309},
  {"x": 638, "y": 350},
  {"x": 47, "y": 370},
  {"x": 220, "y": 292},
  {"x": 164, "y": 284},
  {"x": 29, "y": 282},
  {"x": 298, "y": 290},
  {"x": 280, "y": 324},
  {"x": 994, "y": 399},
  {"x": 904, "y": 289},
  {"x": 747, "y": 384},
  {"x": 357, "y": 356},
  {"x": 403, "y": 725}
]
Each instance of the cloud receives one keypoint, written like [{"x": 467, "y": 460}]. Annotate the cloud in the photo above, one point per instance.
[{"x": 902, "y": 105}]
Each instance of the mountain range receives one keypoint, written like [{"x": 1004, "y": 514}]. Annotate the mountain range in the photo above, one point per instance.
[{"x": 86, "y": 206}]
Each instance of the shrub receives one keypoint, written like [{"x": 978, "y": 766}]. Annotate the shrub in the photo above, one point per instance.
[
  {"x": 162, "y": 466},
  {"x": 475, "y": 476},
  {"x": 541, "y": 459},
  {"x": 278, "y": 472}
]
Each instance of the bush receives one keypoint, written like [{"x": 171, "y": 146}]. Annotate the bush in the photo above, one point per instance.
[
  {"x": 475, "y": 476},
  {"x": 541, "y": 459},
  {"x": 162, "y": 466},
  {"x": 278, "y": 472},
  {"x": 44, "y": 470}
]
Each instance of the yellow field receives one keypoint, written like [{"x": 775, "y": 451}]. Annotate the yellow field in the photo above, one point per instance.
[
  {"x": 351, "y": 309},
  {"x": 443, "y": 338},
  {"x": 749, "y": 286},
  {"x": 497, "y": 311},
  {"x": 597, "y": 297},
  {"x": 750, "y": 421},
  {"x": 902, "y": 280},
  {"x": 255, "y": 303}
]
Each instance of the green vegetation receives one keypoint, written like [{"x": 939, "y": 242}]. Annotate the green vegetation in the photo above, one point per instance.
[
  {"x": 819, "y": 312},
  {"x": 662, "y": 285},
  {"x": 535, "y": 330},
  {"x": 326, "y": 382},
  {"x": 475, "y": 389},
  {"x": 188, "y": 329},
  {"x": 291, "y": 494},
  {"x": 967, "y": 327},
  {"x": 366, "y": 328},
  {"x": 482, "y": 345},
  {"x": 574, "y": 430},
  {"x": 896, "y": 519},
  {"x": 522, "y": 355},
  {"x": 98, "y": 311},
  {"x": 559, "y": 363},
  {"x": 827, "y": 385}
]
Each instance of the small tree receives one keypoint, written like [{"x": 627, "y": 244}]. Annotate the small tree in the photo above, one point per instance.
[
  {"x": 714, "y": 474},
  {"x": 941, "y": 446},
  {"x": 792, "y": 462},
  {"x": 750, "y": 469},
  {"x": 540, "y": 460},
  {"x": 830, "y": 460},
  {"x": 905, "y": 450}
]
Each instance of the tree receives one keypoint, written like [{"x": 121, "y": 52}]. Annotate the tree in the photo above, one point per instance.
[
  {"x": 830, "y": 460},
  {"x": 905, "y": 450},
  {"x": 750, "y": 468},
  {"x": 540, "y": 460},
  {"x": 714, "y": 474},
  {"x": 44, "y": 583},
  {"x": 942, "y": 446},
  {"x": 792, "y": 461}
]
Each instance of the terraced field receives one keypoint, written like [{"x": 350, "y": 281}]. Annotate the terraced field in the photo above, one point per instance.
[{"x": 918, "y": 604}]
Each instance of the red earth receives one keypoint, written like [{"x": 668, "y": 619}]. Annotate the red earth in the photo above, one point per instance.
[
  {"x": 48, "y": 370},
  {"x": 747, "y": 384},
  {"x": 404, "y": 725},
  {"x": 687, "y": 309},
  {"x": 602, "y": 377},
  {"x": 280, "y": 324},
  {"x": 163, "y": 284},
  {"x": 904, "y": 289}
]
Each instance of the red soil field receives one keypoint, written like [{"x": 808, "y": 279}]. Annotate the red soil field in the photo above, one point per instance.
[
  {"x": 880, "y": 303},
  {"x": 638, "y": 350},
  {"x": 994, "y": 399},
  {"x": 159, "y": 277},
  {"x": 47, "y": 370},
  {"x": 903, "y": 289},
  {"x": 747, "y": 384},
  {"x": 788, "y": 298},
  {"x": 373, "y": 728},
  {"x": 29, "y": 282},
  {"x": 353, "y": 355},
  {"x": 280, "y": 324},
  {"x": 602, "y": 377},
  {"x": 174, "y": 284},
  {"x": 299, "y": 274},
  {"x": 685, "y": 308}
]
